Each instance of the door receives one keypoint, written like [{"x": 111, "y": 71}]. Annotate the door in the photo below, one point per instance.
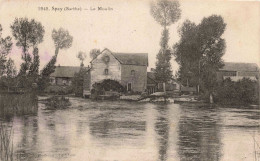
[{"x": 129, "y": 86}]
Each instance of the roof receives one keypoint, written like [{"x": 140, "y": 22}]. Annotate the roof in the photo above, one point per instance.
[
  {"x": 129, "y": 58},
  {"x": 232, "y": 66},
  {"x": 65, "y": 71},
  {"x": 132, "y": 58}
]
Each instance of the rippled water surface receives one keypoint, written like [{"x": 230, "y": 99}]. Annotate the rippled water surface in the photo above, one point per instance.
[{"x": 138, "y": 132}]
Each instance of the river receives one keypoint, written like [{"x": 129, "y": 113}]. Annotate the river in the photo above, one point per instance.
[{"x": 111, "y": 131}]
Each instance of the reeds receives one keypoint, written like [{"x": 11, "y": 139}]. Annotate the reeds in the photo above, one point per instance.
[
  {"x": 18, "y": 104},
  {"x": 6, "y": 143}
]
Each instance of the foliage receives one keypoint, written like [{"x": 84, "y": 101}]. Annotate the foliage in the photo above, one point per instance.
[
  {"x": 34, "y": 68},
  {"x": 60, "y": 90},
  {"x": 78, "y": 81},
  {"x": 244, "y": 91},
  {"x": 5, "y": 48},
  {"x": 28, "y": 34},
  {"x": 81, "y": 56},
  {"x": 106, "y": 85},
  {"x": 94, "y": 53},
  {"x": 21, "y": 104},
  {"x": 199, "y": 52},
  {"x": 57, "y": 102},
  {"x": 11, "y": 71},
  {"x": 62, "y": 39},
  {"x": 165, "y": 12},
  {"x": 163, "y": 72},
  {"x": 46, "y": 72}
]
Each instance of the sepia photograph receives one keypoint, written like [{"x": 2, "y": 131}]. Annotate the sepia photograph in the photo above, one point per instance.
[{"x": 129, "y": 80}]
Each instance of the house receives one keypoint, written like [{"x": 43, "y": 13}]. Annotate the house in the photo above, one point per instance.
[
  {"x": 63, "y": 75},
  {"x": 154, "y": 86},
  {"x": 129, "y": 69},
  {"x": 237, "y": 71}
]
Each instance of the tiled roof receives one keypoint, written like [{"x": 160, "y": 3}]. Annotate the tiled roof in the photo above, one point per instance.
[
  {"x": 65, "y": 71},
  {"x": 132, "y": 58},
  {"x": 232, "y": 66},
  {"x": 129, "y": 58}
]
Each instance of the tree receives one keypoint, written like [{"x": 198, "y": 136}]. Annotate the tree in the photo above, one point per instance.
[
  {"x": 62, "y": 40},
  {"x": 81, "y": 56},
  {"x": 11, "y": 71},
  {"x": 94, "y": 53},
  {"x": 5, "y": 48},
  {"x": 28, "y": 33},
  {"x": 165, "y": 12},
  {"x": 45, "y": 74},
  {"x": 200, "y": 51},
  {"x": 34, "y": 68},
  {"x": 187, "y": 54}
]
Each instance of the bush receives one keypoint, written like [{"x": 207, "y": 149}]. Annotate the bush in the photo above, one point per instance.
[
  {"x": 106, "y": 85},
  {"x": 57, "y": 102},
  {"x": 55, "y": 89},
  {"x": 244, "y": 91}
]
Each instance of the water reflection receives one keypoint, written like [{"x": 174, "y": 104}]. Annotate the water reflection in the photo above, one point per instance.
[
  {"x": 118, "y": 125},
  {"x": 162, "y": 130},
  {"x": 135, "y": 131},
  {"x": 199, "y": 135},
  {"x": 29, "y": 139}
]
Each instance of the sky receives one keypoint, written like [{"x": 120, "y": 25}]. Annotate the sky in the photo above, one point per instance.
[{"x": 129, "y": 27}]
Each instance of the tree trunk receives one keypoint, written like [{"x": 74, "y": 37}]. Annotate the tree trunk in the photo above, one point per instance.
[{"x": 56, "y": 52}]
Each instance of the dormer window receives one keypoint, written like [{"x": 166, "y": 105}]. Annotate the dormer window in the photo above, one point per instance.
[
  {"x": 106, "y": 71},
  {"x": 132, "y": 72}
]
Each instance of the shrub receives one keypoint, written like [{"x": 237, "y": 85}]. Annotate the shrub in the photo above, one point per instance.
[
  {"x": 57, "y": 102},
  {"x": 55, "y": 89},
  {"x": 244, "y": 91}
]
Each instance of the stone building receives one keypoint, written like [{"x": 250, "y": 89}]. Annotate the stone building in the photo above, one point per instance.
[
  {"x": 129, "y": 69},
  {"x": 237, "y": 71},
  {"x": 63, "y": 75}
]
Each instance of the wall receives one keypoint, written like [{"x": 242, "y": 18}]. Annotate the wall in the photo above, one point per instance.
[
  {"x": 245, "y": 73},
  {"x": 222, "y": 74},
  {"x": 86, "y": 83},
  {"x": 98, "y": 67},
  {"x": 62, "y": 81},
  {"x": 138, "y": 80}
]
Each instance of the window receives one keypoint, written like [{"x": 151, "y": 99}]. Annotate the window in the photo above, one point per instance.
[
  {"x": 106, "y": 71},
  {"x": 64, "y": 82},
  {"x": 132, "y": 72}
]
